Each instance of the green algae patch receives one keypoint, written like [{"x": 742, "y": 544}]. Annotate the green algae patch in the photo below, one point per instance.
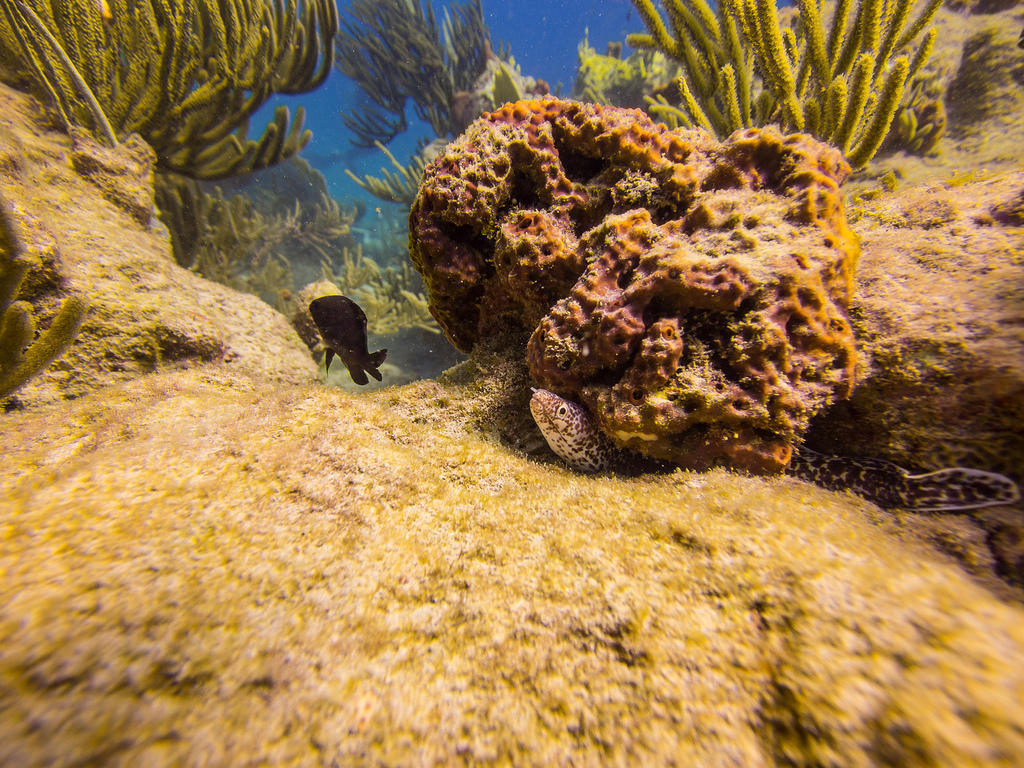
[{"x": 199, "y": 569}]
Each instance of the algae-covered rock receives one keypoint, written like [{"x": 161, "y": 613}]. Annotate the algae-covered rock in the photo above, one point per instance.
[
  {"x": 123, "y": 175},
  {"x": 23, "y": 353},
  {"x": 989, "y": 83},
  {"x": 86, "y": 224},
  {"x": 939, "y": 313},
  {"x": 200, "y": 569}
]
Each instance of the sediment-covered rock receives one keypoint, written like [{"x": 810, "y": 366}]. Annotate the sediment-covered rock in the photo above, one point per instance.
[
  {"x": 939, "y": 314},
  {"x": 201, "y": 568},
  {"x": 90, "y": 227}
]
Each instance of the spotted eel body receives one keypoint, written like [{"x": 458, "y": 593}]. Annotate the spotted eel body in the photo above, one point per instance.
[{"x": 572, "y": 434}]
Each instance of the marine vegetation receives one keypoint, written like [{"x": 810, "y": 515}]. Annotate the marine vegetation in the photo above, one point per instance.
[
  {"x": 921, "y": 121},
  {"x": 396, "y": 52},
  {"x": 622, "y": 82},
  {"x": 233, "y": 242},
  {"x": 398, "y": 185},
  {"x": 842, "y": 83},
  {"x": 186, "y": 76},
  {"x": 692, "y": 294},
  {"x": 230, "y": 241},
  {"x": 23, "y": 355}
]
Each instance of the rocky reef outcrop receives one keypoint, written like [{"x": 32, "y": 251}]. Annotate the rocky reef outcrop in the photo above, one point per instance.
[
  {"x": 87, "y": 218},
  {"x": 692, "y": 293},
  {"x": 939, "y": 317}
]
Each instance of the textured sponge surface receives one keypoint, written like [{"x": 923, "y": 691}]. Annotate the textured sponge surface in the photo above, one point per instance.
[{"x": 691, "y": 293}]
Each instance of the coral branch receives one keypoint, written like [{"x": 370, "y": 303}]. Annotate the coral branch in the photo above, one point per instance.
[
  {"x": 837, "y": 85},
  {"x": 186, "y": 76},
  {"x": 22, "y": 354}
]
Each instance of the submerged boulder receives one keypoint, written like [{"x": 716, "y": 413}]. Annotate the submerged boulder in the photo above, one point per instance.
[
  {"x": 87, "y": 220},
  {"x": 692, "y": 293}
]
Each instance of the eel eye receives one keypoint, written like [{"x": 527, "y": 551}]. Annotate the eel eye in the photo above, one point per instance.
[{"x": 561, "y": 411}]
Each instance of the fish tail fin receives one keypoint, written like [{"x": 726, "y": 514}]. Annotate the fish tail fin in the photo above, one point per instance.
[
  {"x": 960, "y": 488},
  {"x": 358, "y": 376},
  {"x": 375, "y": 361}
]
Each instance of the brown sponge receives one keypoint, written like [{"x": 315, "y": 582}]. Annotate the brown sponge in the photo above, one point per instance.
[{"x": 691, "y": 293}]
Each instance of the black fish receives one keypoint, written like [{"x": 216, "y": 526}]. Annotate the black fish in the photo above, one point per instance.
[
  {"x": 1020, "y": 40},
  {"x": 342, "y": 325}
]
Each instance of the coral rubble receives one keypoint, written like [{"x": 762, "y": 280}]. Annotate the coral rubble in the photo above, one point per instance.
[{"x": 691, "y": 293}]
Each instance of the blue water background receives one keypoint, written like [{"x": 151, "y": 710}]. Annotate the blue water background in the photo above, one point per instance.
[{"x": 543, "y": 37}]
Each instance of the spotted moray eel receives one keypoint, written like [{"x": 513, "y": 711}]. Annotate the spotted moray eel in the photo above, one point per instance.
[{"x": 572, "y": 434}]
